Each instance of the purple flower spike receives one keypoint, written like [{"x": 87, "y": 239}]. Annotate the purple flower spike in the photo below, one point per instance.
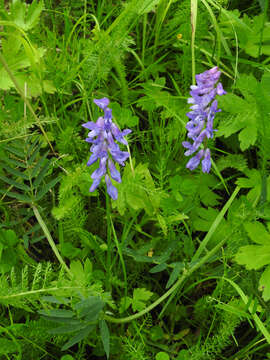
[
  {"x": 103, "y": 136},
  {"x": 203, "y": 108}
]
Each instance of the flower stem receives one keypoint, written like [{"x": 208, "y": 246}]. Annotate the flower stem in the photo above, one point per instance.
[{"x": 193, "y": 10}]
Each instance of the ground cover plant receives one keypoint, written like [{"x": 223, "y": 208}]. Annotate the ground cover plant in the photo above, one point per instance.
[{"x": 155, "y": 244}]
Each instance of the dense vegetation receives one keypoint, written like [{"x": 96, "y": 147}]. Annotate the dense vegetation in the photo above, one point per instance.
[{"x": 178, "y": 265}]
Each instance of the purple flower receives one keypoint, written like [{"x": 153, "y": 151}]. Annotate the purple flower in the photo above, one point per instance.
[
  {"x": 203, "y": 109},
  {"x": 103, "y": 136}
]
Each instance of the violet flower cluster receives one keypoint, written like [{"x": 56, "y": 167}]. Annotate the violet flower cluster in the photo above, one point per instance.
[
  {"x": 203, "y": 110},
  {"x": 103, "y": 136}
]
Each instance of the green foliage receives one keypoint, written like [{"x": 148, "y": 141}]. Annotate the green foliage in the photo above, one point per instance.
[
  {"x": 140, "y": 297},
  {"x": 8, "y": 255},
  {"x": 25, "y": 170},
  {"x": 253, "y": 33},
  {"x": 121, "y": 256},
  {"x": 257, "y": 256},
  {"x": 137, "y": 191},
  {"x": 23, "y": 58}
]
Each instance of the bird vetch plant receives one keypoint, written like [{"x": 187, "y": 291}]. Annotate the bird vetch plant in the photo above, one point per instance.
[
  {"x": 203, "y": 109},
  {"x": 103, "y": 135}
]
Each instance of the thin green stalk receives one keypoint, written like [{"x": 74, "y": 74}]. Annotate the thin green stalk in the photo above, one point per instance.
[
  {"x": 214, "y": 225},
  {"x": 187, "y": 272},
  {"x": 21, "y": 93},
  {"x": 193, "y": 9},
  {"x": 50, "y": 240},
  {"x": 144, "y": 36},
  {"x": 119, "y": 249},
  {"x": 109, "y": 243}
]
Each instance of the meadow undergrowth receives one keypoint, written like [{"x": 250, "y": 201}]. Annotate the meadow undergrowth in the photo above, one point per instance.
[{"x": 168, "y": 255}]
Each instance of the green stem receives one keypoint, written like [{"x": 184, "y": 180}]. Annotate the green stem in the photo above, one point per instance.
[
  {"x": 215, "y": 225},
  {"x": 196, "y": 265},
  {"x": 109, "y": 243},
  {"x": 50, "y": 240},
  {"x": 193, "y": 8}
]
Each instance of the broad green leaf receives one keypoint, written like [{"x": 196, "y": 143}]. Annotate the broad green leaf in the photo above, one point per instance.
[
  {"x": 253, "y": 256},
  {"x": 140, "y": 297},
  {"x": 105, "y": 336},
  {"x": 162, "y": 356},
  {"x": 8, "y": 238},
  {"x": 264, "y": 283},
  {"x": 258, "y": 233},
  {"x": 125, "y": 304},
  {"x": 33, "y": 14}
]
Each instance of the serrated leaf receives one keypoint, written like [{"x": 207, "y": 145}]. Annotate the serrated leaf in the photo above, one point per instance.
[
  {"x": 33, "y": 14},
  {"x": 264, "y": 283},
  {"x": 253, "y": 256},
  {"x": 105, "y": 336},
  {"x": 248, "y": 136},
  {"x": 257, "y": 232},
  {"x": 125, "y": 304},
  {"x": 140, "y": 297},
  {"x": 235, "y": 161}
]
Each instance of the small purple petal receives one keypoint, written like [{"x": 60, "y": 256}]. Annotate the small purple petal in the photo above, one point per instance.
[
  {"x": 119, "y": 156},
  {"x": 111, "y": 190},
  {"x": 115, "y": 174},
  {"x": 102, "y": 103},
  {"x": 206, "y": 162},
  {"x": 195, "y": 160},
  {"x": 186, "y": 145},
  {"x": 95, "y": 184},
  {"x": 98, "y": 173},
  {"x": 220, "y": 90},
  {"x": 93, "y": 158},
  {"x": 89, "y": 125}
]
